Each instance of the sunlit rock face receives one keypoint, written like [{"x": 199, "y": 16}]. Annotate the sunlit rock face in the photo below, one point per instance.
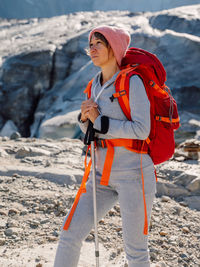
[{"x": 44, "y": 67}]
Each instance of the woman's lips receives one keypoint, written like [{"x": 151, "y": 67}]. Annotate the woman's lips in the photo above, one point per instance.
[{"x": 94, "y": 56}]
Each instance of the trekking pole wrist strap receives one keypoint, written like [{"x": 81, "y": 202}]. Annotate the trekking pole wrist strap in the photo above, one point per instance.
[{"x": 104, "y": 125}]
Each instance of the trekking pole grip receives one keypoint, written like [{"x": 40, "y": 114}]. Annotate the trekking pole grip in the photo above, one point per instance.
[{"x": 89, "y": 136}]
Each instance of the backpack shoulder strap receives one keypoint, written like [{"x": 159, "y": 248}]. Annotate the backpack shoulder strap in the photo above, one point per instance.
[
  {"x": 122, "y": 86},
  {"x": 122, "y": 90},
  {"x": 88, "y": 89}
]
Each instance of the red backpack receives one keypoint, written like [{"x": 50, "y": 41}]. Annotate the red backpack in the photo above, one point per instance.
[
  {"x": 163, "y": 107},
  {"x": 160, "y": 144}
]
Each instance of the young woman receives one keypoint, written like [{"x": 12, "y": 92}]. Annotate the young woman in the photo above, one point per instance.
[{"x": 107, "y": 46}]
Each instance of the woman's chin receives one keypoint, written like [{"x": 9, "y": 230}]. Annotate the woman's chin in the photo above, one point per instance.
[{"x": 96, "y": 63}]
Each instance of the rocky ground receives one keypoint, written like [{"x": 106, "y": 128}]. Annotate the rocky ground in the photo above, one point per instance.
[{"x": 38, "y": 182}]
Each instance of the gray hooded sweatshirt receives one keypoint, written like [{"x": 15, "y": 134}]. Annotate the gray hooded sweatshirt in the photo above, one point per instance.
[{"x": 119, "y": 126}]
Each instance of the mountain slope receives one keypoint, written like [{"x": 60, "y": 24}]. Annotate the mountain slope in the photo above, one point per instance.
[{"x": 20, "y": 9}]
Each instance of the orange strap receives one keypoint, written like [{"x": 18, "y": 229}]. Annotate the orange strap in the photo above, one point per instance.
[
  {"x": 88, "y": 89},
  {"x": 109, "y": 144},
  {"x": 124, "y": 100},
  {"x": 125, "y": 97},
  {"x": 156, "y": 174},
  {"x": 120, "y": 93},
  {"x": 166, "y": 119},
  {"x": 81, "y": 190},
  {"x": 158, "y": 88},
  {"x": 145, "y": 230},
  {"x": 108, "y": 163}
]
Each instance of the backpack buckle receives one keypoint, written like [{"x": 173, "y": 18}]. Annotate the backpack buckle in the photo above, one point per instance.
[
  {"x": 135, "y": 65},
  {"x": 152, "y": 83},
  {"x": 118, "y": 94},
  {"x": 122, "y": 92},
  {"x": 112, "y": 98},
  {"x": 101, "y": 143},
  {"x": 158, "y": 118}
]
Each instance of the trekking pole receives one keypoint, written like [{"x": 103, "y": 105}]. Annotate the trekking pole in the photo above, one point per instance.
[{"x": 89, "y": 139}]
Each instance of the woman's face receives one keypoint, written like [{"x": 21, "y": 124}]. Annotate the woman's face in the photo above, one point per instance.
[{"x": 100, "y": 54}]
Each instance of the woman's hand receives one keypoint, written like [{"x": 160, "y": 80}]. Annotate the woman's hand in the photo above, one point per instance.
[
  {"x": 93, "y": 114},
  {"x": 89, "y": 110}
]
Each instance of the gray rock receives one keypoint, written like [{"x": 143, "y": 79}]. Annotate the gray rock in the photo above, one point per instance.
[
  {"x": 47, "y": 69},
  {"x": 25, "y": 78},
  {"x": 184, "y": 179},
  {"x": 3, "y": 213},
  {"x": 9, "y": 232},
  {"x": 2, "y": 242},
  {"x": 45, "y": 221},
  {"x": 175, "y": 23},
  {"x": 15, "y": 136},
  {"x": 67, "y": 99},
  {"x": 24, "y": 212},
  {"x": 3, "y": 221},
  {"x": 160, "y": 264},
  {"x": 165, "y": 199},
  {"x": 34, "y": 224},
  {"x": 191, "y": 147},
  {"x": 70, "y": 57},
  {"x": 2, "y": 121},
  {"x": 3, "y": 153},
  {"x": 193, "y": 202},
  {"x": 59, "y": 126},
  {"x": 5, "y": 138},
  {"x": 31, "y": 152},
  {"x": 197, "y": 136},
  {"x": 13, "y": 211},
  {"x": 188, "y": 128},
  {"x": 171, "y": 190},
  {"x": 194, "y": 186},
  {"x": 8, "y": 129}
]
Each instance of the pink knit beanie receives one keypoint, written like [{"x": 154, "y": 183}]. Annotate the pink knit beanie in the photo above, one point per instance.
[{"x": 118, "y": 39}]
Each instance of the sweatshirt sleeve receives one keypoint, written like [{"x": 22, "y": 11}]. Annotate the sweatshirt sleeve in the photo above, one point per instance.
[
  {"x": 139, "y": 126},
  {"x": 83, "y": 125}
]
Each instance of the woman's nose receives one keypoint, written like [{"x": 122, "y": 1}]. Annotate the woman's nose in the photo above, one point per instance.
[{"x": 93, "y": 48}]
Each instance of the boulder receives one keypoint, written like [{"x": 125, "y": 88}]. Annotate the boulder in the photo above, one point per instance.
[
  {"x": 60, "y": 126},
  {"x": 194, "y": 186},
  {"x": 197, "y": 136},
  {"x": 176, "y": 22},
  {"x": 189, "y": 125},
  {"x": 47, "y": 68},
  {"x": 8, "y": 129},
  {"x": 193, "y": 202},
  {"x": 165, "y": 45},
  {"x": 25, "y": 78},
  {"x": 70, "y": 57},
  {"x": 171, "y": 190},
  {"x": 31, "y": 152},
  {"x": 192, "y": 148},
  {"x": 184, "y": 179},
  {"x": 15, "y": 136},
  {"x": 65, "y": 99}
]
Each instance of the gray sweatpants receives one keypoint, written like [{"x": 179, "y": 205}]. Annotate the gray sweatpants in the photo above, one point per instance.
[{"x": 125, "y": 188}]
